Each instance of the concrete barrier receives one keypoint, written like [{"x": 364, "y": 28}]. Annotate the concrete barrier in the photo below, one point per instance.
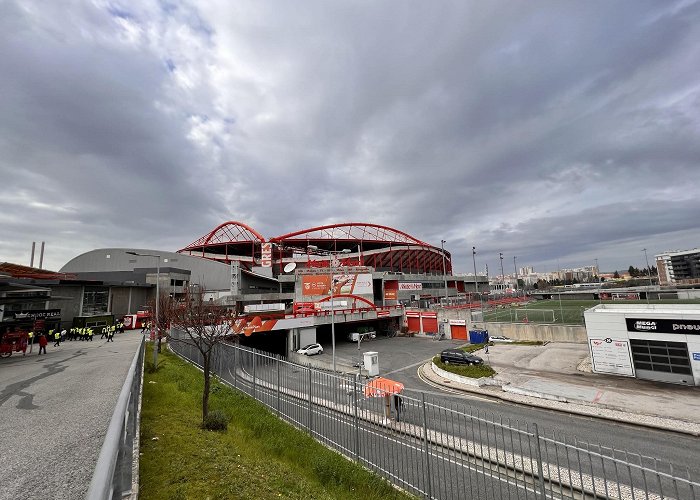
[
  {"x": 536, "y": 331},
  {"x": 476, "y": 382}
]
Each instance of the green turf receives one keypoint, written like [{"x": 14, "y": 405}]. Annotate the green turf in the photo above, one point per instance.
[
  {"x": 570, "y": 310},
  {"x": 258, "y": 457}
]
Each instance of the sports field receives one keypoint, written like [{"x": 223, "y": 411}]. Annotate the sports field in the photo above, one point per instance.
[{"x": 568, "y": 312}]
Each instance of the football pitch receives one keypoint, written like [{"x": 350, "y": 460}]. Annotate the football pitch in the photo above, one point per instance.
[{"x": 568, "y": 312}]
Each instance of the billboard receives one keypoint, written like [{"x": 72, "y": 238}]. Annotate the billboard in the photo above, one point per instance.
[
  {"x": 266, "y": 257},
  {"x": 319, "y": 284},
  {"x": 611, "y": 356},
  {"x": 682, "y": 326}
]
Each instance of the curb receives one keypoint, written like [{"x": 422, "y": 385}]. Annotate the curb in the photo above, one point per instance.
[{"x": 538, "y": 400}]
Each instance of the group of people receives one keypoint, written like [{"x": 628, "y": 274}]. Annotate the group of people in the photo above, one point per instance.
[{"x": 85, "y": 333}]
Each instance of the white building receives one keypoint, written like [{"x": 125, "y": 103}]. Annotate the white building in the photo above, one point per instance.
[{"x": 658, "y": 342}]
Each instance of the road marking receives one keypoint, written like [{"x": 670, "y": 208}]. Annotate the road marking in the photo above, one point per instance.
[
  {"x": 455, "y": 391},
  {"x": 406, "y": 367}
]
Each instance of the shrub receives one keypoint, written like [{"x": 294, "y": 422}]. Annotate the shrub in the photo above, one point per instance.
[
  {"x": 471, "y": 371},
  {"x": 216, "y": 420}
]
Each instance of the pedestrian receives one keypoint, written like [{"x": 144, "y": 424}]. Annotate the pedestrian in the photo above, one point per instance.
[
  {"x": 104, "y": 332},
  {"x": 398, "y": 403},
  {"x": 486, "y": 349},
  {"x": 90, "y": 333},
  {"x": 57, "y": 338},
  {"x": 63, "y": 334},
  {"x": 110, "y": 335},
  {"x": 42, "y": 343}
]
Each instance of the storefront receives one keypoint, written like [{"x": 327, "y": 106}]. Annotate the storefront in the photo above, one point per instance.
[{"x": 653, "y": 342}]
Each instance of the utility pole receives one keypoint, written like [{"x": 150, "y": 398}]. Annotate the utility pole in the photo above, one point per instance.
[{"x": 515, "y": 269}]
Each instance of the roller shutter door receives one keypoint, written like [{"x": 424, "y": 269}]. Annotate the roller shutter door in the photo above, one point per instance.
[
  {"x": 430, "y": 325},
  {"x": 459, "y": 332},
  {"x": 413, "y": 324}
]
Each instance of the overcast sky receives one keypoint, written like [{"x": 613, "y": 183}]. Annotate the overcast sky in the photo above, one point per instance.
[{"x": 557, "y": 132}]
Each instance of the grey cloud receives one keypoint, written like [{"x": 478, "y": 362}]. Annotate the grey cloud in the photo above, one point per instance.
[{"x": 555, "y": 131}]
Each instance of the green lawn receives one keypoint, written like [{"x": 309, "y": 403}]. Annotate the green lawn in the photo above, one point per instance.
[
  {"x": 258, "y": 457},
  {"x": 542, "y": 311},
  {"x": 471, "y": 371}
]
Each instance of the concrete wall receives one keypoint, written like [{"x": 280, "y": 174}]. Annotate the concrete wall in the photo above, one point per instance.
[
  {"x": 530, "y": 331},
  {"x": 122, "y": 304},
  {"x": 69, "y": 302}
]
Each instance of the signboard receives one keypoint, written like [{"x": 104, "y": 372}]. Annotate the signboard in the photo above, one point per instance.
[
  {"x": 319, "y": 284},
  {"x": 235, "y": 277},
  {"x": 390, "y": 294},
  {"x": 458, "y": 322},
  {"x": 34, "y": 315},
  {"x": 266, "y": 257},
  {"x": 611, "y": 356},
  {"x": 410, "y": 286},
  {"x": 655, "y": 325},
  {"x": 696, "y": 356}
]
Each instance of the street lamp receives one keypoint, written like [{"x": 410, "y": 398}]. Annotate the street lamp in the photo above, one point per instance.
[
  {"x": 515, "y": 269},
  {"x": 155, "y": 350},
  {"x": 330, "y": 270},
  {"x": 646, "y": 257},
  {"x": 444, "y": 269},
  {"x": 503, "y": 274},
  {"x": 476, "y": 286}
]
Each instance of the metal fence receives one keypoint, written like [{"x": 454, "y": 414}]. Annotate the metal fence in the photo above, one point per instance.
[
  {"x": 438, "y": 449},
  {"x": 113, "y": 476}
]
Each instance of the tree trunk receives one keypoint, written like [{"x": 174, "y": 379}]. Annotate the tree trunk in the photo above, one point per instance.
[{"x": 205, "y": 393}]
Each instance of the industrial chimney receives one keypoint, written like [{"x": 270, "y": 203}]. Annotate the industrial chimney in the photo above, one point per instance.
[
  {"x": 41, "y": 256},
  {"x": 31, "y": 262}
]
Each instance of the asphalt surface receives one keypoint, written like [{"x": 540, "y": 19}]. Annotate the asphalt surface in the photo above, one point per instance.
[
  {"x": 54, "y": 413},
  {"x": 400, "y": 358}
]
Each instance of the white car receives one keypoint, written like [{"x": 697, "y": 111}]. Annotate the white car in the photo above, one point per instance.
[
  {"x": 499, "y": 338},
  {"x": 311, "y": 349}
]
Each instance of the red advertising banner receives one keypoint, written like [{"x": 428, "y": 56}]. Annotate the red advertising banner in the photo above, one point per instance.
[
  {"x": 390, "y": 294},
  {"x": 391, "y": 290},
  {"x": 266, "y": 257},
  {"x": 315, "y": 284}
]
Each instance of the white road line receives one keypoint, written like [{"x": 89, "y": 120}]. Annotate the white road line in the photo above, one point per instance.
[{"x": 455, "y": 391}]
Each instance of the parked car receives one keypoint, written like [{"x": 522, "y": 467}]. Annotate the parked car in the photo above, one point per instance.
[
  {"x": 459, "y": 357},
  {"x": 499, "y": 338},
  {"x": 311, "y": 349}
]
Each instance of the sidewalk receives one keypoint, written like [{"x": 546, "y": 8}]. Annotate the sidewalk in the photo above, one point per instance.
[
  {"x": 55, "y": 411},
  {"x": 638, "y": 402}
]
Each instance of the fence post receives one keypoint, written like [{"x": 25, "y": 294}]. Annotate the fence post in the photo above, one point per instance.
[
  {"x": 538, "y": 457},
  {"x": 235, "y": 377},
  {"x": 427, "y": 445},
  {"x": 310, "y": 407},
  {"x": 357, "y": 419},
  {"x": 279, "y": 364},
  {"x": 253, "y": 355}
]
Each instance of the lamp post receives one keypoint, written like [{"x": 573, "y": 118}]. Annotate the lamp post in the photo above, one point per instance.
[
  {"x": 155, "y": 350},
  {"x": 444, "y": 269},
  {"x": 515, "y": 270},
  {"x": 503, "y": 274},
  {"x": 476, "y": 285},
  {"x": 330, "y": 270},
  {"x": 646, "y": 257}
]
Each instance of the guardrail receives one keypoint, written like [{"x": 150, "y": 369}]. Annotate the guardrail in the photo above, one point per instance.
[
  {"x": 113, "y": 472},
  {"x": 440, "y": 449}
]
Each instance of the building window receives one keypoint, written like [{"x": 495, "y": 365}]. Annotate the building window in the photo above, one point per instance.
[{"x": 95, "y": 301}]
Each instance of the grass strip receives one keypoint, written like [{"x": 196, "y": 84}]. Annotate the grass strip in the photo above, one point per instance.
[
  {"x": 258, "y": 457},
  {"x": 471, "y": 371}
]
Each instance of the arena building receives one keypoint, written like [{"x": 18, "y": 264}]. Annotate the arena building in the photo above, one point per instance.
[{"x": 365, "y": 273}]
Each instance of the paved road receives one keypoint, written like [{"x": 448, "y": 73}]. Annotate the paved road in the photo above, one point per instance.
[
  {"x": 400, "y": 358},
  {"x": 54, "y": 413}
]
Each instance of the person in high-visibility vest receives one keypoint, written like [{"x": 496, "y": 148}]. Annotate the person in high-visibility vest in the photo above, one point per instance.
[
  {"x": 57, "y": 338},
  {"x": 90, "y": 333}
]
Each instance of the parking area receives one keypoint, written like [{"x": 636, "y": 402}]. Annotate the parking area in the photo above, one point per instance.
[
  {"x": 395, "y": 354},
  {"x": 555, "y": 357}
]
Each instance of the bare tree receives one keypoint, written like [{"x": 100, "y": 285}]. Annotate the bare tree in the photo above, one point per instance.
[{"x": 201, "y": 324}]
